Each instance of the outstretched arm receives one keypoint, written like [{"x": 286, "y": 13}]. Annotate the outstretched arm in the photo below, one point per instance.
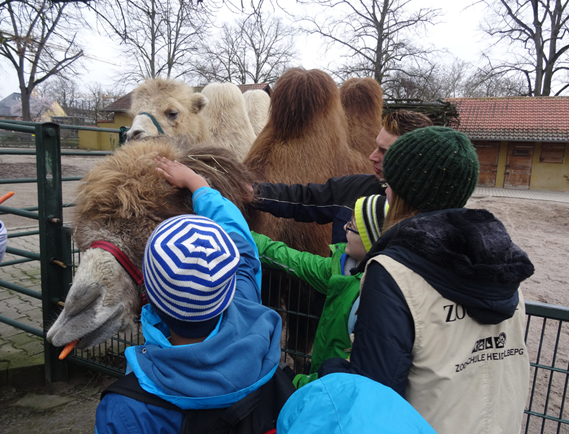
[
  {"x": 313, "y": 269},
  {"x": 318, "y": 203},
  {"x": 209, "y": 203}
]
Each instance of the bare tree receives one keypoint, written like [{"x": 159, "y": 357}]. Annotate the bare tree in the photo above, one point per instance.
[
  {"x": 458, "y": 79},
  {"x": 485, "y": 82},
  {"x": 539, "y": 31},
  {"x": 61, "y": 89},
  {"x": 421, "y": 83},
  {"x": 40, "y": 42},
  {"x": 97, "y": 98},
  {"x": 38, "y": 107},
  {"x": 375, "y": 35},
  {"x": 159, "y": 36},
  {"x": 256, "y": 49}
]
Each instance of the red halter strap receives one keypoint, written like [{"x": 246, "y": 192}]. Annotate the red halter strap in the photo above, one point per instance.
[{"x": 122, "y": 258}]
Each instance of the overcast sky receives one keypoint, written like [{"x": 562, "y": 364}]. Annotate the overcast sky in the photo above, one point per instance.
[{"x": 457, "y": 32}]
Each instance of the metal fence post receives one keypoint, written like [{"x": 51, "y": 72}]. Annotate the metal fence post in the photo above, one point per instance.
[{"x": 55, "y": 257}]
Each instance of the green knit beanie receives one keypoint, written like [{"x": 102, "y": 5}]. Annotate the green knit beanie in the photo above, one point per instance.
[{"x": 432, "y": 168}]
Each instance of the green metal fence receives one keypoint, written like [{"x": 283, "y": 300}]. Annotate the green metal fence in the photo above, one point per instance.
[
  {"x": 547, "y": 339},
  {"x": 547, "y": 333},
  {"x": 54, "y": 242}
]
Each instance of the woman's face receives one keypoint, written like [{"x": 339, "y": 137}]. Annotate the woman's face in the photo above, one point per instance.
[{"x": 355, "y": 247}]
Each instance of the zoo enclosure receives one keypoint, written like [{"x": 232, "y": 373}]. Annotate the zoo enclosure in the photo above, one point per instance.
[{"x": 546, "y": 332}]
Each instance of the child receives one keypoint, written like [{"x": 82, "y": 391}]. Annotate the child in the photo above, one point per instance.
[
  {"x": 331, "y": 276},
  {"x": 211, "y": 352}
]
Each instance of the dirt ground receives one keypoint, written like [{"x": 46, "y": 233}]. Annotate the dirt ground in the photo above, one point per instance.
[{"x": 541, "y": 228}]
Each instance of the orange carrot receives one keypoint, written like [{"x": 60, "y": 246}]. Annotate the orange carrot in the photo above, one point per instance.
[
  {"x": 67, "y": 349},
  {"x": 6, "y": 196}
]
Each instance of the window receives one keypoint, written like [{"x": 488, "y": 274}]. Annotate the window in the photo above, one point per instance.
[{"x": 552, "y": 153}]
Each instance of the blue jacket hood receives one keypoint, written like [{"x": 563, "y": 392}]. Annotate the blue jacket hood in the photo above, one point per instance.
[
  {"x": 466, "y": 255},
  {"x": 237, "y": 358},
  {"x": 349, "y": 403}
]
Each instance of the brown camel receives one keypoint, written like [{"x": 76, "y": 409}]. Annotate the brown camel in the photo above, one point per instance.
[
  {"x": 305, "y": 140},
  {"x": 362, "y": 100}
]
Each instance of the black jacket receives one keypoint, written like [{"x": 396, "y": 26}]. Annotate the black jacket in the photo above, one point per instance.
[
  {"x": 332, "y": 202},
  {"x": 466, "y": 255}
]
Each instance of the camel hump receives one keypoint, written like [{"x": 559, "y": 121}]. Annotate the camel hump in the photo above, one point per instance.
[
  {"x": 301, "y": 96},
  {"x": 257, "y": 102},
  {"x": 361, "y": 95}
]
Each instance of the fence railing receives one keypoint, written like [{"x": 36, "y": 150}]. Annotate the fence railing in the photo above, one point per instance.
[
  {"x": 547, "y": 340},
  {"x": 54, "y": 242},
  {"x": 547, "y": 333}
]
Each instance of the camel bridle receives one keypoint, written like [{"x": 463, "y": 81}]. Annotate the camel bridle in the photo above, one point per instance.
[
  {"x": 126, "y": 263},
  {"x": 154, "y": 121}
]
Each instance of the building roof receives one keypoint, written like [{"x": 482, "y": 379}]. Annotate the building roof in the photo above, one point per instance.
[
  {"x": 262, "y": 86},
  {"x": 120, "y": 105},
  {"x": 541, "y": 119},
  {"x": 8, "y": 104}
]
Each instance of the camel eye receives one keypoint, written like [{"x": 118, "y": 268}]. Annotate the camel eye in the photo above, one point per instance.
[{"x": 172, "y": 115}]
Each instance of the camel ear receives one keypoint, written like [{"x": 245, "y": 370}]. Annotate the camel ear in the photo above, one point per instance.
[{"x": 198, "y": 102}]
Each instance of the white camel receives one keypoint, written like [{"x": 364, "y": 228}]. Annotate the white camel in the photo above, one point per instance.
[
  {"x": 216, "y": 116},
  {"x": 227, "y": 118},
  {"x": 258, "y": 103}
]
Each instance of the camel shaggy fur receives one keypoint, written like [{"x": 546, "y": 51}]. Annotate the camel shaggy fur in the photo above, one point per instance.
[
  {"x": 257, "y": 102},
  {"x": 121, "y": 200},
  {"x": 305, "y": 140},
  {"x": 362, "y": 100},
  {"x": 227, "y": 119},
  {"x": 174, "y": 106}
]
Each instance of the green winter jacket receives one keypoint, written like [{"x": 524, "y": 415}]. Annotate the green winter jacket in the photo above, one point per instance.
[{"x": 324, "y": 275}]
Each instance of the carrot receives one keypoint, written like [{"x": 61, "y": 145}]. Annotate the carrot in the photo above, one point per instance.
[
  {"x": 6, "y": 196},
  {"x": 67, "y": 349}
]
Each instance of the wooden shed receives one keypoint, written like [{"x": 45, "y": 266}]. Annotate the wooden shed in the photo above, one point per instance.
[{"x": 521, "y": 141}]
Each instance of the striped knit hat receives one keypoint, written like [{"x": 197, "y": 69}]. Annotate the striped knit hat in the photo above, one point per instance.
[
  {"x": 432, "y": 168},
  {"x": 190, "y": 266},
  {"x": 369, "y": 213}
]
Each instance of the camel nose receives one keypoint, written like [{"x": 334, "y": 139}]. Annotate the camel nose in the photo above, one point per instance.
[{"x": 137, "y": 134}]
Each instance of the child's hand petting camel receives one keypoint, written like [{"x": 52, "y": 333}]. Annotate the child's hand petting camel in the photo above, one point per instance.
[{"x": 179, "y": 175}]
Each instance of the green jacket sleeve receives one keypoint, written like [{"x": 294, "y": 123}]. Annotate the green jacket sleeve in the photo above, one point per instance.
[{"x": 313, "y": 269}]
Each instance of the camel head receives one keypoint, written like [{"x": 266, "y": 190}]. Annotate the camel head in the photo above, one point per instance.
[
  {"x": 170, "y": 106},
  {"x": 120, "y": 201}
]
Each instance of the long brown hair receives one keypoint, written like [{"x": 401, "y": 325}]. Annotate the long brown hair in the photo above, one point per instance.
[{"x": 399, "y": 210}]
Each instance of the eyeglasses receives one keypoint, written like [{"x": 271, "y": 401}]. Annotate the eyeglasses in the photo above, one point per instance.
[{"x": 350, "y": 226}]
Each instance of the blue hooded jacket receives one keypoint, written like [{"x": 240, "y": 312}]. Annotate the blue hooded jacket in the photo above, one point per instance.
[
  {"x": 348, "y": 403},
  {"x": 237, "y": 358}
]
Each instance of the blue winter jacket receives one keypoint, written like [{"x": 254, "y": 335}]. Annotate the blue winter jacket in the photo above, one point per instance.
[
  {"x": 348, "y": 403},
  {"x": 238, "y": 357}
]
